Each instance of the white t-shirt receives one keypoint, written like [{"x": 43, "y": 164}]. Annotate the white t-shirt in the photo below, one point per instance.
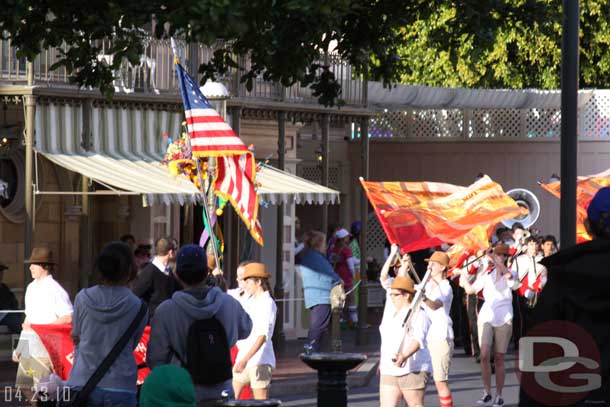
[
  {"x": 392, "y": 333},
  {"x": 45, "y": 302},
  {"x": 498, "y": 306},
  {"x": 441, "y": 325},
  {"x": 262, "y": 310}
]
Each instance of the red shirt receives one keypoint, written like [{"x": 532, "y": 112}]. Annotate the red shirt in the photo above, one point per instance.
[{"x": 338, "y": 258}]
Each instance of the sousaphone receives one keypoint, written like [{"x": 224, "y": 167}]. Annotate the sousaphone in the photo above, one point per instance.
[{"x": 525, "y": 199}]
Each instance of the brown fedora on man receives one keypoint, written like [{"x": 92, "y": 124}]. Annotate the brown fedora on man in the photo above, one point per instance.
[{"x": 40, "y": 255}]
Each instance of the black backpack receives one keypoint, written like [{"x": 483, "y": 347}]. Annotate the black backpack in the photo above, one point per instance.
[{"x": 208, "y": 357}]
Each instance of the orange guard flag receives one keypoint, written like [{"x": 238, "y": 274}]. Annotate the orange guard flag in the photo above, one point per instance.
[
  {"x": 586, "y": 188},
  {"x": 419, "y": 215}
]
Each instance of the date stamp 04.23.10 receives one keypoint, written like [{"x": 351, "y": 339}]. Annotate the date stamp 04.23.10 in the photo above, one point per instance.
[{"x": 32, "y": 396}]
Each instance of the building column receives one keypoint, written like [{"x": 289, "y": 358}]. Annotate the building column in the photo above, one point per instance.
[
  {"x": 84, "y": 250},
  {"x": 325, "y": 124},
  {"x": 85, "y": 247},
  {"x": 30, "y": 111},
  {"x": 279, "y": 337},
  {"x": 362, "y": 337}
]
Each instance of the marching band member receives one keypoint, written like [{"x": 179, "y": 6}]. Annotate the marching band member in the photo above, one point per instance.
[
  {"x": 495, "y": 319},
  {"x": 471, "y": 268},
  {"x": 549, "y": 245},
  {"x": 405, "y": 361},
  {"x": 438, "y": 298},
  {"x": 530, "y": 274}
]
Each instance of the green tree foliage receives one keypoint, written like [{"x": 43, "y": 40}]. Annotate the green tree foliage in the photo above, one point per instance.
[
  {"x": 284, "y": 38},
  {"x": 502, "y": 44}
]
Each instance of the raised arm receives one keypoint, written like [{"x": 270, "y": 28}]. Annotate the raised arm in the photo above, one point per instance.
[{"x": 385, "y": 270}]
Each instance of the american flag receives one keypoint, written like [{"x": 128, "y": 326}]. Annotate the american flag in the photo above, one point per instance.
[{"x": 211, "y": 136}]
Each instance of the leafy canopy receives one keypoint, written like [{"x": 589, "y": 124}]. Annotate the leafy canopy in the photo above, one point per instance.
[
  {"x": 284, "y": 38},
  {"x": 502, "y": 44}
]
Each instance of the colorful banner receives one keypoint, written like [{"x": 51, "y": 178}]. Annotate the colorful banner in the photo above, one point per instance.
[
  {"x": 586, "y": 188},
  {"x": 419, "y": 215},
  {"x": 56, "y": 339}
]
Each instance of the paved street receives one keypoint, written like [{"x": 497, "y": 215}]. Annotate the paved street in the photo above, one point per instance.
[
  {"x": 465, "y": 383},
  {"x": 295, "y": 384}
]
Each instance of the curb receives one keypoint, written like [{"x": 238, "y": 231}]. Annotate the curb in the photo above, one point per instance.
[{"x": 360, "y": 378}]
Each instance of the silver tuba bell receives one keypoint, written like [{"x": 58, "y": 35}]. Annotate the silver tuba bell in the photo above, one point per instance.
[{"x": 525, "y": 199}]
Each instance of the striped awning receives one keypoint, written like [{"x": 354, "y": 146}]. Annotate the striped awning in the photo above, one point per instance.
[
  {"x": 278, "y": 186},
  {"x": 126, "y": 149}
]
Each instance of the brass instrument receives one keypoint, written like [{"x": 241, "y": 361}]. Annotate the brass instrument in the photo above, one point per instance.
[{"x": 528, "y": 200}]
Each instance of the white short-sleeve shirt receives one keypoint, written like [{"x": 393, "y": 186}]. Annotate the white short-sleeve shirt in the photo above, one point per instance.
[
  {"x": 262, "y": 310},
  {"x": 392, "y": 333},
  {"x": 498, "y": 306},
  {"x": 46, "y": 301},
  {"x": 441, "y": 325}
]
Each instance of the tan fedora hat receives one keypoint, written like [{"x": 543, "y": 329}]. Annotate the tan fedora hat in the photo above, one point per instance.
[
  {"x": 255, "y": 270},
  {"x": 41, "y": 255},
  {"x": 404, "y": 283},
  {"x": 439, "y": 257}
]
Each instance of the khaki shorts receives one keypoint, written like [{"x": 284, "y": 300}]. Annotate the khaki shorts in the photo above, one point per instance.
[
  {"x": 440, "y": 353},
  {"x": 499, "y": 335},
  {"x": 410, "y": 381},
  {"x": 258, "y": 377}
]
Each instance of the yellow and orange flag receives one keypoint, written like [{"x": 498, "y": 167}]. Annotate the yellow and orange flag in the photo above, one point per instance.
[
  {"x": 419, "y": 215},
  {"x": 586, "y": 188}
]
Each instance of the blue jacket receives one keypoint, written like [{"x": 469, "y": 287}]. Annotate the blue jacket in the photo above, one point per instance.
[
  {"x": 173, "y": 318},
  {"x": 101, "y": 315},
  {"x": 318, "y": 278}
]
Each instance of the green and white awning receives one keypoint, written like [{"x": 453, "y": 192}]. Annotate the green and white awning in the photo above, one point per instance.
[
  {"x": 126, "y": 146},
  {"x": 125, "y": 149}
]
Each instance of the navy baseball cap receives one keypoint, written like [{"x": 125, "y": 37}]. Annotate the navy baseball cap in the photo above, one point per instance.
[
  {"x": 600, "y": 206},
  {"x": 191, "y": 256}
]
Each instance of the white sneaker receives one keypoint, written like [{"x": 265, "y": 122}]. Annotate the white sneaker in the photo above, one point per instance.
[
  {"x": 498, "y": 402},
  {"x": 485, "y": 399}
]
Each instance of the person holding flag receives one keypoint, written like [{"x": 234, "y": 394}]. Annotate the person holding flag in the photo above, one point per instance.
[
  {"x": 438, "y": 296},
  {"x": 211, "y": 137}
]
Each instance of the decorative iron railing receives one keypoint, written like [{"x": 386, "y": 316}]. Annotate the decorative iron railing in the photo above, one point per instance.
[{"x": 155, "y": 73}]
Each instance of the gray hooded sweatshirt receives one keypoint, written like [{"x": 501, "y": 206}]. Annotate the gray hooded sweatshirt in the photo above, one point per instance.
[
  {"x": 101, "y": 316},
  {"x": 173, "y": 318}
]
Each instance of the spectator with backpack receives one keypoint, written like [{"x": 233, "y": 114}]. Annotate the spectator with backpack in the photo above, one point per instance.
[
  {"x": 197, "y": 327},
  {"x": 256, "y": 359}
]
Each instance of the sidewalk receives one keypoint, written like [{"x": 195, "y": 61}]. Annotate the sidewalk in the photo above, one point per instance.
[{"x": 292, "y": 376}]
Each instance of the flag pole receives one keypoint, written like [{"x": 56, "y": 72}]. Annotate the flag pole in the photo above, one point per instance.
[
  {"x": 204, "y": 197},
  {"x": 212, "y": 239}
]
